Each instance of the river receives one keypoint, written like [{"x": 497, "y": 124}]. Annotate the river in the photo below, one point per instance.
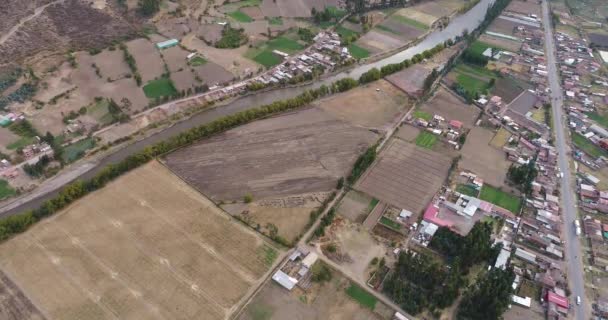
[{"x": 467, "y": 21}]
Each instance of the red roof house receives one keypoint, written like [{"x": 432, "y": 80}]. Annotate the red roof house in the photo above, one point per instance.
[{"x": 558, "y": 300}]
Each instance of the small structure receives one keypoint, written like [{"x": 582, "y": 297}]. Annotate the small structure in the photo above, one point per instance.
[
  {"x": 524, "y": 302},
  {"x": 559, "y": 300},
  {"x": 167, "y": 44},
  {"x": 284, "y": 280},
  {"x": 502, "y": 259}
]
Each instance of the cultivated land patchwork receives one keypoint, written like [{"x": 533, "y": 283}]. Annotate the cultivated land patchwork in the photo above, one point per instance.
[{"x": 146, "y": 246}]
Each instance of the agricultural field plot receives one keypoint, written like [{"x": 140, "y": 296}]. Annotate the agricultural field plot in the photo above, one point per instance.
[
  {"x": 148, "y": 60},
  {"x": 500, "y": 198},
  {"x": 451, "y": 107},
  {"x": 290, "y": 215},
  {"x": 358, "y": 52},
  {"x": 410, "y": 80},
  {"x": 439, "y": 8},
  {"x": 159, "y": 88},
  {"x": 508, "y": 88},
  {"x": 159, "y": 251},
  {"x": 426, "y": 140},
  {"x": 402, "y": 28},
  {"x": 328, "y": 301},
  {"x": 253, "y": 12},
  {"x": 375, "y": 105},
  {"x": 7, "y": 137},
  {"x": 480, "y": 157},
  {"x": 294, "y": 8},
  {"x": 501, "y": 43},
  {"x": 376, "y": 41},
  {"x": 407, "y": 133},
  {"x": 300, "y": 152},
  {"x": 405, "y": 176},
  {"x": 417, "y": 15},
  {"x": 263, "y": 54},
  {"x": 356, "y": 205},
  {"x": 6, "y": 190},
  {"x": 210, "y": 32},
  {"x": 524, "y": 7},
  {"x": 587, "y": 146},
  {"x": 14, "y": 305},
  {"x": 184, "y": 80},
  {"x": 471, "y": 78},
  {"x": 213, "y": 74},
  {"x": 111, "y": 64},
  {"x": 176, "y": 58},
  {"x": 501, "y": 138}
]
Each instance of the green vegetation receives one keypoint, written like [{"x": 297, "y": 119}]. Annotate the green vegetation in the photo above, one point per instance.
[
  {"x": 587, "y": 146},
  {"x": 601, "y": 119},
  {"x": 240, "y": 16},
  {"x": 523, "y": 176},
  {"x": 488, "y": 297},
  {"x": 320, "y": 272},
  {"x": 345, "y": 32},
  {"x": 26, "y": 131},
  {"x": 362, "y": 163},
  {"x": 390, "y": 223},
  {"x": 426, "y": 139},
  {"x": 233, "y": 6},
  {"x": 76, "y": 150},
  {"x": 131, "y": 63},
  {"x": 328, "y": 17},
  {"x": 106, "y": 111},
  {"x": 467, "y": 190},
  {"x": 364, "y": 298},
  {"x": 197, "y": 61},
  {"x": 387, "y": 29},
  {"x": 267, "y": 59},
  {"x": 357, "y": 52},
  {"x": 277, "y": 21},
  {"x": 372, "y": 204},
  {"x": 21, "y": 143},
  {"x": 248, "y": 198},
  {"x": 467, "y": 251},
  {"x": 269, "y": 254},
  {"x": 5, "y": 190},
  {"x": 37, "y": 169},
  {"x": 411, "y": 22},
  {"x": 478, "y": 47},
  {"x": 149, "y": 7},
  {"x": 162, "y": 87},
  {"x": 422, "y": 115},
  {"x": 24, "y": 93},
  {"x": 231, "y": 38},
  {"x": 306, "y": 35},
  {"x": 260, "y": 311},
  {"x": 472, "y": 80},
  {"x": 500, "y": 198},
  {"x": 284, "y": 44}
]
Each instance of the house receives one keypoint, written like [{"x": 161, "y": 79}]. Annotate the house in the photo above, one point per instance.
[
  {"x": 559, "y": 300},
  {"x": 284, "y": 280},
  {"x": 525, "y": 255}
]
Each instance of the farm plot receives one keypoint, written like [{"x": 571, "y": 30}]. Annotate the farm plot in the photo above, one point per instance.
[
  {"x": 7, "y": 138},
  {"x": 301, "y": 152},
  {"x": 175, "y": 57},
  {"x": 405, "y": 176},
  {"x": 294, "y": 8},
  {"x": 508, "y": 88},
  {"x": 376, "y": 41},
  {"x": 480, "y": 157},
  {"x": 471, "y": 78},
  {"x": 264, "y": 55},
  {"x": 524, "y": 7},
  {"x": 450, "y": 107},
  {"x": 159, "y": 251},
  {"x": 183, "y": 80},
  {"x": 376, "y": 105},
  {"x": 501, "y": 43},
  {"x": 148, "y": 60},
  {"x": 407, "y": 133},
  {"x": 111, "y": 64},
  {"x": 416, "y": 15},
  {"x": 439, "y": 8},
  {"x": 402, "y": 28},
  {"x": 356, "y": 205},
  {"x": 213, "y": 74},
  {"x": 410, "y": 80},
  {"x": 328, "y": 301},
  {"x": 503, "y": 26},
  {"x": 14, "y": 305}
]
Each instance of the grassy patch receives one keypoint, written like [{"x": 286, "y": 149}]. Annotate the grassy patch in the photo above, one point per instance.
[
  {"x": 267, "y": 59},
  {"x": 240, "y": 4},
  {"x": 269, "y": 255},
  {"x": 372, "y": 204},
  {"x": 277, "y": 21},
  {"x": 471, "y": 84},
  {"x": 6, "y": 190},
  {"x": 240, "y": 16},
  {"x": 474, "y": 70},
  {"x": 23, "y": 142},
  {"x": 422, "y": 115},
  {"x": 467, "y": 189},
  {"x": 411, "y": 22},
  {"x": 478, "y": 47},
  {"x": 197, "y": 61},
  {"x": 284, "y": 44},
  {"x": 259, "y": 311},
  {"x": 345, "y": 32},
  {"x": 76, "y": 150},
  {"x": 361, "y": 296},
  {"x": 159, "y": 88},
  {"x": 602, "y": 120},
  {"x": 357, "y": 52},
  {"x": 426, "y": 139},
  {"x": 500, "y": 198},
  {"x": 390, "y": 223},
  {"x": 587, "y": 146}
]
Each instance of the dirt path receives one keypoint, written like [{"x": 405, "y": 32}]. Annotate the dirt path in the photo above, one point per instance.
[{"x": 16, "y": 27}]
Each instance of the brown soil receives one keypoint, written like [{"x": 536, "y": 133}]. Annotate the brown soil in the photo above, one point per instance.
[
  {"x": 175, "y": 57},
  {"x": 481, "y": 158},
  {"x": 111, "y": 64},
  {"x": 183, "y": 79},
  {"x": 379, "y": 41},
  {"x": 407, "y": 133},
  {"x": 14, "y": 305},
  {"x": 213, "y": 74},
  {"x": 450, "y": 107},
  {"x": 147, "y": 58}
]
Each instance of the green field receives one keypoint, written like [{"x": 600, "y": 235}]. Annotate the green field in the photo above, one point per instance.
[
  {"x": 101, "y": 112},
  {"x": 602, "y": 120},
  {"x": 467, "y": 190},
  {"x": 357, "y": 52},
  {"x": 587, "y": 146},
  {"x": 159, "y": 88},
  {"x": 264, "y": 55},
  {"x": 345, "y": 32},
  {"x": 240, "y": 16},
  {"x": 474, "y": 70},
  {"x": 390, "y": 223},
  {"x": 277, "y": 21},
  {"x": 500, "y": 198},
  {"x": 479, "y": 47},
  {"x": 387, "y": 29},
  {"x": 22, "y": 142},
  {"x": 76, "y": 150},
  {"x": 6, "y": 190},
  {"x": 411, "y": 22},
  {"x": 233, "y": 6},
  {"x": 422, "y": 115},
  {"x": 426, "y": 139},
  {"x": 197, "y": 61},
  {"x": 267, "y": 59},
  {"x": 284, "y": 44},
  {"x": 361, "y": 296}
]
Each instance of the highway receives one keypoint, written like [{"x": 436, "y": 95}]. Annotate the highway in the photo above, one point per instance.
[{"x": 573, "y": 253}]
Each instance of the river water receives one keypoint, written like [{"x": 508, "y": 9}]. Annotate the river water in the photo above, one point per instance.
[{"x": 467, "y": 21}]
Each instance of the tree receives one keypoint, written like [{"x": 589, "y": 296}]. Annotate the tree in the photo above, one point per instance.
[
  {"x": 488, "y": 298},
  {"x": 149, "y": 7}
]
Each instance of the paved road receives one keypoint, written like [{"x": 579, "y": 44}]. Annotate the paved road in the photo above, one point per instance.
[{"x": 573, "y": 247}]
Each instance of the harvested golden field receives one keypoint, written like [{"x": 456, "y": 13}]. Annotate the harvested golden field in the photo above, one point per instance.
[{"x": 146, "y": 246}]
